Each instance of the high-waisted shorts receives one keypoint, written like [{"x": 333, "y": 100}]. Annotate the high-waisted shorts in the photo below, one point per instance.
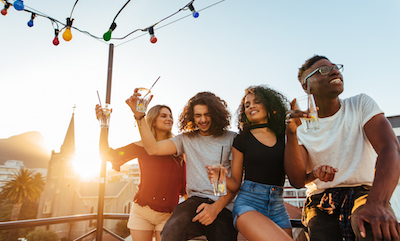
[
  {"x": 266, "y": 199},
  {"x": 145, "y": 218}
]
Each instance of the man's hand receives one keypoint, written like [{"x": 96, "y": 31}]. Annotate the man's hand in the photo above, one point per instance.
[
  {"x": 383, "y": 222},
  {"x": 325, "y": 173},
  {"x": 293, "y": 117},
  {"x": 206, "y": 214}
]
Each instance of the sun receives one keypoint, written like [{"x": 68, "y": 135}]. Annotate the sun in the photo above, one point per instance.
[{"x": 87, "y": 164}]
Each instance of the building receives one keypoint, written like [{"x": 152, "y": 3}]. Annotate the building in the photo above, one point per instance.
[
  {"x": 12, "y": 167},
  {"x": 293, "y": 196},
  {"x": 9, "y": 168},
  {"x": 66, "y": 195}
]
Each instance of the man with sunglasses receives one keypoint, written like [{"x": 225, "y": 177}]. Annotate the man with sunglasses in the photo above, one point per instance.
[{"x": 350, "y": 165}]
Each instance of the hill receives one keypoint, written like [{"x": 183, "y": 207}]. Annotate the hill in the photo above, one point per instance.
[{"x": 28, "y": 147}]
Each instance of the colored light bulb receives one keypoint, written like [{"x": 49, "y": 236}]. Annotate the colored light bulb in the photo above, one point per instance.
[
  {"x": 30, "y": 23},
  {"x": 4, "y": 12},
  {"x": 19, "y": 5},
  {"x": 194, "y": 13},
  {"x": 153, "y": 39},
  {"x": 67, "y": 36},
  {"x": 56, "y": 41},
  {"x": 107, "y": 35}
]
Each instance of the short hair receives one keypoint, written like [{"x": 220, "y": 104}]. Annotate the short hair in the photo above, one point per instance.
[
  {"x": 218, "y": 109},
  {"x": 276, "y": 106},
  {"x": 309, "y": 62},
  {"x": 152, "y": 115}
]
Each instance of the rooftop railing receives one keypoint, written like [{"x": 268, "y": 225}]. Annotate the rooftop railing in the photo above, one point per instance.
[{"x": 296, "y": 223}]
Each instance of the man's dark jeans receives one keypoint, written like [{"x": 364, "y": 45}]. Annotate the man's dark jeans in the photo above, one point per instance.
[
  {"x": 325, "y": 227},
  {"x": 180, "y": 227}
]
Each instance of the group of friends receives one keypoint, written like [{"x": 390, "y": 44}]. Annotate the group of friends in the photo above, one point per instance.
[{"x": 350, "y": 165}]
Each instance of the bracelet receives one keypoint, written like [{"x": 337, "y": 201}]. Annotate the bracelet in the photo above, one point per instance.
[{"x": 138, "y": 119}]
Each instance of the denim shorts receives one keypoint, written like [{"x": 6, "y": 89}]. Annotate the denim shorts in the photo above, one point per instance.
[{"x": 266, "y": 199}]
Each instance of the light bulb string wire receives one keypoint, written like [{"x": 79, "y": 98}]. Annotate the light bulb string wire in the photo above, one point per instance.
[
  {"x": 58, "y": 23},
  {"x": 165, "y": 25},
  {"x": 73, "y": 8},
  {"x": 145, "y": 29},
  {"x": 120, "y": 10}
]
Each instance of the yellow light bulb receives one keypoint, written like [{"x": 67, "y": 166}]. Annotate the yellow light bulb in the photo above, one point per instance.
[{"x": 67, "y": 36}]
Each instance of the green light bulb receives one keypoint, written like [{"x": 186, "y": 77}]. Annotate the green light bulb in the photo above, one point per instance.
[{"x": 107, "y": 35}]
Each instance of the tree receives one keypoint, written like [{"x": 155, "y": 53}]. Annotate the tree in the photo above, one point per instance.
[
  {"x": 121, "y": 229},
  {"x": 23, "y": 186},
  {"x": 42, "y": 235}
]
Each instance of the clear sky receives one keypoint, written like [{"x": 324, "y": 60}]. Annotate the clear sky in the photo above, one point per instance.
[{"x": 230, "y": 46}]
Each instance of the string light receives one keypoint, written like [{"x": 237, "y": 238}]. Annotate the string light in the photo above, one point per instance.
[
  {"x": 153, "y": 38},
  {"x": 4, "y": 10},
  {"x": 19, "y": 5},
  {"x": 107, "y": 35},
  {"x": 194, "y": 13},
  {"x": 55, "y": 40},
  {"x": 30, "y": 23},
  {"x": 67, "y": 36}
]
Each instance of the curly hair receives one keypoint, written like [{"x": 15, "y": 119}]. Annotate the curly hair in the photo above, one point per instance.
[
  {"x": 309, "y": 62},
  {"x": 218, "y": 109},
  {"x": 276, "y": 106}
]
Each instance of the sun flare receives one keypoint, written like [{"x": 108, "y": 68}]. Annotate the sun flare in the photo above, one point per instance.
[{"x": 87, "y": 165}]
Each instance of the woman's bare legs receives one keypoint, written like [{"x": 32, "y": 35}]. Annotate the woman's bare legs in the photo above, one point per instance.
[
  {"x": 158, "y": 235},
  {"x": 255, "y": 226},
  {"x": 143, "y": 235}
]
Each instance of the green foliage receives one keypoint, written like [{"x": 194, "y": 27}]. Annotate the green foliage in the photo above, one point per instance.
[
  {"x": 121, "y": 229},
  {"x": 23, "y": 191},
  {"x": 42, "y": 235},
  {"x": 22, "y": 186},
  {"x": 5, "y": 214}
]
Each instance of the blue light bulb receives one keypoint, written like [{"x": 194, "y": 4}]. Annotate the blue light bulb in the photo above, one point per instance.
[
  {"x": 19, "y": 5},
  {"x": 30, "y": 23},
  {"x": 194, "y": 13}
]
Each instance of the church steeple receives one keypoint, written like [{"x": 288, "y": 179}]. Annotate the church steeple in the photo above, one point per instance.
[{"x": 69, "y": 142}]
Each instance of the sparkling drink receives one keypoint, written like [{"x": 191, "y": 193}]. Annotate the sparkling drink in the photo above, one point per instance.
[
  {"x": 219, "y": 181},
  {"x": 144, "y": 100}
]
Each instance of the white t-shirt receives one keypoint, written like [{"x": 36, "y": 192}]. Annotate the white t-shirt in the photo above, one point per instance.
[
  {"x": 201, "y": 151},
  {"x": 341, "y": 143}
]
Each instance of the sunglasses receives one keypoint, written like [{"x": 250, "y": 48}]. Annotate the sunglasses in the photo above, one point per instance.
[{"x": 324, "y": 70}]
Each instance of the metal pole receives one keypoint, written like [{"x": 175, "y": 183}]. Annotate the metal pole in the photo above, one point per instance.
[
  {"x": 102, "y": 185},
  {"x": 109, "y": 74}
]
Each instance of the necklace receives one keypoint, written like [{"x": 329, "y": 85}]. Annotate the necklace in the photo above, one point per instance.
[{"x": 258, "y": 126}]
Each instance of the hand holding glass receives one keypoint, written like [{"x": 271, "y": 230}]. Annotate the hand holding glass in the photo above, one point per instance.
[
  {"x": 307, "y": 104},
  {"x": 144, "y": 99},
  {"x": 105, "y": 117},
  {"x": 219, "y": 180}
]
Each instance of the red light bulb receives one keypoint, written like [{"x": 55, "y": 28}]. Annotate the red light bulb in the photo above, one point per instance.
[
  {"x": 56, "y": 41},
  {"x": 153, "y": 39}
]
